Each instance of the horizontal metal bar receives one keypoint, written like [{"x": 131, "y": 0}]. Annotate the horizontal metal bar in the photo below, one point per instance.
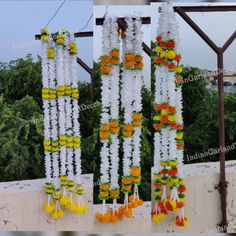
[
  {"x": 206, "y": 8},
  {"x": 76, "y": 35},
  {"x": 145, "y": 20}
]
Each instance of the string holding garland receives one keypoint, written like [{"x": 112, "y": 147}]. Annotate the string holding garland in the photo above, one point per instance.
[
  {"x": 113, "y": 101},
  {"x": 168, "y": 121},
  {"x": 61, "y": 124}
]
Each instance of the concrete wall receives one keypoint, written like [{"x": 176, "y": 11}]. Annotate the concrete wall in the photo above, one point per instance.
[
  {"x": 203, "y": 200},
  {"x": 21, "y": 208}
]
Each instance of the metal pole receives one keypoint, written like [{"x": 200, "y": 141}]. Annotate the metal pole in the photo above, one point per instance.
[{"x": 222, "y": 184}]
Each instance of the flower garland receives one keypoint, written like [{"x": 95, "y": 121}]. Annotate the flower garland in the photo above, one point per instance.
[
  {"x": 80, "y": 206},
  {"x": 127, "y": 104},
  {"x": 168, "y": 123},
  {"x": 110, "y": 127},
  {"x": 60, "y": 94},
  {"x": 137, "y": 115},
  {"x": 47, "y": 53},
  {"x": 114, "y": 118},
  {"x": 105, "y": 70}
]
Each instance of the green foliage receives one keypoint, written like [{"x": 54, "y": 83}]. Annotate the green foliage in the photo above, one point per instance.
[
  {"x": 22, "y": 77},
  {"x": 21, "y": 155},
  {"x": 21, "y": 124},
  {"x": 200, "y": 112}
]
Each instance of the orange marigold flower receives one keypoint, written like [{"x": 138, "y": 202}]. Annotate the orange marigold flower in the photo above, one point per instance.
[
  {"x": 105, "y": 59},
  {"x": 128, "y": 127},
  {"x": 114, "y": 53},
  {"x": 137, "y": 116},
  {"x": 115, "y": 61},
  {"x": 104, "y": 135},
  {"x": 135, "y": 171},
  {"x": 138, "y": 58},
  {"x": 138, "y": 66},
  {"x": 129, "y": 64},
  {"x": 105, "y": 69},
  {"x": 129, "y": 57}
]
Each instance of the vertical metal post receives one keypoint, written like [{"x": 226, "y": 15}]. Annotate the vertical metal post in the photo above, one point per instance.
[{"x": 222, "y": 184}]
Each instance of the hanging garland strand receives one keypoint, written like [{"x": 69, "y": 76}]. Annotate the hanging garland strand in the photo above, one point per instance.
[
  {"x": 168, "y": 121},
  {"x": 126, "y": 101},
  {"x": 137, "y": 114},
  {"x": 131, "y": 105},
  {"x": 49, "y": 206},
  {"x": 105, "y": 70},
  {"x": 61, "y": 113},
  {"x": 114, "y": 120},
  {"x": 80, "y": 206}
]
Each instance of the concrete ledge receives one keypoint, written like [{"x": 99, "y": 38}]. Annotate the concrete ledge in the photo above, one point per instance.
[
  {"x": 139, "y": 223},
  {"x": 203, "y": 200},
  {"x": 21, "y": 208}
]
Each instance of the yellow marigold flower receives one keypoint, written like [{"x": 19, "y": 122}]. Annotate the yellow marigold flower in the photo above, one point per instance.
[
  {"x": 163, "y": 54},
  {"x": 172, "y": 118},
  {"x": 179, "y": 136},
  {"x": 77, "y": 139},
  {"x": 45, "y": 96},
  {"x": 60, "y": 40},
  {"x": 171, "y": 54},
  {"x": 76, "y": 145},
  {"x": 46, "y": 142},
  {"x": 73, "y": 48},
  {"x": 164, "y": 112},
  {"x": 44, "y": 31},
  {"x": 45, "y": 90},
  {"x": 158, "y": 49},
  {"x": 157, "y": 118},
  {"x": 51, "y": 53},
  {"x": 75, "y": 95},
  {"x": 69, "y": 139},
  {"x": 178, "y": 69}
]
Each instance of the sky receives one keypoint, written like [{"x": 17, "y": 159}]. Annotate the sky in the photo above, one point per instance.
[
  {"x": 21, "y": 20},
  {"x": 121, "y": 11},
  {"x": 195, "y": 52}
]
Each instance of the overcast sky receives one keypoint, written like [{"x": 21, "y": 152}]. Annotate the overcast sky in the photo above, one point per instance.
[
  {"x": 218, "y": 26},
  {"x": 21, "y": 20},
  {"x": 121, "y": 11}
]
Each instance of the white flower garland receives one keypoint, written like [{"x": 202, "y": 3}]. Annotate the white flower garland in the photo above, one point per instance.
[
  {"x": 114, "y": 108},
  {"x": 137, "y": 102},
  {"x": 126, "y": 102},
  {"x": 61, "y": 79},
  {"x": 168, "y": 123},
  {"x": 46, "y": 109}
]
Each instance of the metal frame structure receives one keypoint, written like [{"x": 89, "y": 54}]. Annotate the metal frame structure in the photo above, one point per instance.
[
  {"x": 220, "y": 65},
  {"x": 181, "y": 10}
]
